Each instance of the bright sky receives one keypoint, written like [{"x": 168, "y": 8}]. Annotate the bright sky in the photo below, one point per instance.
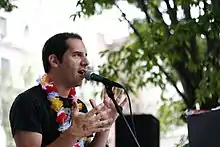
[{"x": 48, "y": 17}]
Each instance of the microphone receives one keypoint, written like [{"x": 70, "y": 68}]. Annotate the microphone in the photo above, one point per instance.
[{"x": 91, "y": 76}]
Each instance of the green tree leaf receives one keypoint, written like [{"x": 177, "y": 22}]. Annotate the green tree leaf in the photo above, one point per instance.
[{"x": 185, "y": 51}]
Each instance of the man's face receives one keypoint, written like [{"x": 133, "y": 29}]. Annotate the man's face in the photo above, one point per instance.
[{"x": 74, "y": 63}]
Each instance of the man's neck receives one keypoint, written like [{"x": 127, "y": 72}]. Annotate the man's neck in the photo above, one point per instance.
[
  {"x": 60, "y": 86},
  {"x": 63, "y": 92}
]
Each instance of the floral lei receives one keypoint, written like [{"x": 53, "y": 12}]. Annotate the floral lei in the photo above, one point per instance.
[{"x": 63, "y": 114}]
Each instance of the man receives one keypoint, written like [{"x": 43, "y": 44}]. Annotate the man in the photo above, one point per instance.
[{"x": 49, "y": 114}]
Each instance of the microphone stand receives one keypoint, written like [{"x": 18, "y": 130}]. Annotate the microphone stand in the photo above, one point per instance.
[{"x": 119, "y": 110}]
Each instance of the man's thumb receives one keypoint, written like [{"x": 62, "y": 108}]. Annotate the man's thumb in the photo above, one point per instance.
[{"x": 75, "y": 109}]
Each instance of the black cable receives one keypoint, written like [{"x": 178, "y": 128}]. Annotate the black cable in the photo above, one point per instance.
[
  {"x": 111, "y": 95},
  {"x": 131, "y": 113}
]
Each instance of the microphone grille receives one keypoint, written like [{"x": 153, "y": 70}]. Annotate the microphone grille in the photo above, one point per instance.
[{"x": 88, "y": 75}]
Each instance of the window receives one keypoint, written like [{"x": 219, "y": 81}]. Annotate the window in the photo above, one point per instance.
[
  {"x": 5, "y": 70},
  {"x": 3, "y": 27}
]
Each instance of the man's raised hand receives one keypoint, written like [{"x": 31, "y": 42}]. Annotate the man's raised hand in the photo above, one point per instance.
[{"x": 85, "y": 124}]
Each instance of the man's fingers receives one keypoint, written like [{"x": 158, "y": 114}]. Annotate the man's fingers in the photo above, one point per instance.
[
  {"x": 94, "y": 110},
  {"x": 104, "y": 108},
  {"x": 105, "y": 94},
  {"x": 121, "y": 95},
  {"x": 124, "y": 102},
  {"x": 93, "y": 103},
  {"x": 114, "y": 90},
  {"x": 101, "y": 124},
  {"x": 75, "y": 109},
  {"x": 100, "y": 115},
  {"x": 95, "y": 130},
  {"x": 107, "y": 102}
]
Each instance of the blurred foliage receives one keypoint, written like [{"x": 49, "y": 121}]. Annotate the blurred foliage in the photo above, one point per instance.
[
  {"x": 8, "y": 93},
  {"x": 183, "y": 50},
  {"x": 7, "y": 5},
  {"x": 6, "y": 100}
]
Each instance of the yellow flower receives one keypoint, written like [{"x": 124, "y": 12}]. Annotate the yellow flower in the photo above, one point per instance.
[
  {"x": 84, "y": 138},
  {"x": 56, "y": 104},
  {"x": 80, "y": 106},
  {"x": 44, "y": 79}
]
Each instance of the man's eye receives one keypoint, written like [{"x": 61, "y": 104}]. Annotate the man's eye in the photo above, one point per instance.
[{"x": 76, "y": 55}]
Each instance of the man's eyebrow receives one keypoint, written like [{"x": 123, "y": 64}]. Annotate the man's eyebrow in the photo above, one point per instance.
[{"x": 78, "y": 52}]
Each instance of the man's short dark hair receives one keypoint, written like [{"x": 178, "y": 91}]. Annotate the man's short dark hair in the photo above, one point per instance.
[{"x": 56, "y": 45}]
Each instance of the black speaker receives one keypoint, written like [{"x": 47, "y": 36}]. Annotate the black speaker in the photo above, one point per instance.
[
  {"x": 204, "y": 129},
  {"x": 147, "y": 130}
]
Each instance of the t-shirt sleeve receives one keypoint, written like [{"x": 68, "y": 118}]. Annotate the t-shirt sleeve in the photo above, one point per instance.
[{"x": 25, "y": 115}]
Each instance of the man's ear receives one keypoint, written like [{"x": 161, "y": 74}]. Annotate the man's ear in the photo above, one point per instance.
[{"x": 53, "y": 60}]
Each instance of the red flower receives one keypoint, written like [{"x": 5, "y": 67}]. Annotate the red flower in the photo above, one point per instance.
[
  {"x": 50, "y": 88},
  {"x": 72, "y": 92},
  {"x": 61, "y": 118},
  {"x": 77, "y": 145}
]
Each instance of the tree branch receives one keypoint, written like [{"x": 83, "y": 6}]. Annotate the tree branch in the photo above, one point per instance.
[
  {"x": 186, "y": 79},
  {"x": 171, "y": 12},
  {"x": 205, "y": 6},
  {"x": 193, "y": 49},
  {"x": 193, "y": 46},
  {"x": 169, "y": 78},
  {"x": 186, "y": 10},
  {"x": 173, "y": 83},
  {"x": 175, "y": 7},
  {"x": 160, "y": 17},
  {"x": 131, "y": 25},
  {"x": 143, "y": 7}
]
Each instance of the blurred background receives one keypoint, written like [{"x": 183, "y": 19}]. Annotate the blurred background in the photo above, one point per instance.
[{"x": 166, "y": 53}]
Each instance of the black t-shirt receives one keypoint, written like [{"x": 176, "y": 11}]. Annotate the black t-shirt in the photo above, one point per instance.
[{"x": 31, "y": 111}]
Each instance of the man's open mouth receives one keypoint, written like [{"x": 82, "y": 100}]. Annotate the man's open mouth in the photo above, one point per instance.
[{"x": 82, "y": 73}]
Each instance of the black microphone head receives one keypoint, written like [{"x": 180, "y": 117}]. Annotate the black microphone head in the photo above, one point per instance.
[
  {"x": 91, "y": 76},
  {"x": 88, "y": 75}
]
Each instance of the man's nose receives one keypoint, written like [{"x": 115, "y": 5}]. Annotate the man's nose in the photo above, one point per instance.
[{"x": 85, "y": 62}]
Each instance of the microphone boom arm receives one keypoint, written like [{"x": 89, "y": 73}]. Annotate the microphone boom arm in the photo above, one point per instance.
[{"x": 119, "y": 110}]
